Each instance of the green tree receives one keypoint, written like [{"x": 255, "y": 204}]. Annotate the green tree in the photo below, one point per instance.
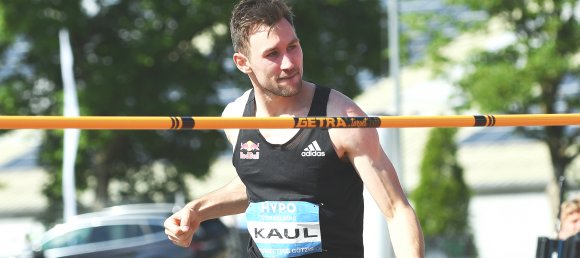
[
  {"x": 441, "y": 198},
  {"x": 141, "y": 57},
  {"x": 341, "y": 38},
  {"x": 529, "y": 75},
  {"x": 131, "y": 58},
  {"x": 537, "y": 72}
]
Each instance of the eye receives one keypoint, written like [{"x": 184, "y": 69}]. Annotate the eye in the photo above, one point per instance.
[{"x": 272, "y": 54}]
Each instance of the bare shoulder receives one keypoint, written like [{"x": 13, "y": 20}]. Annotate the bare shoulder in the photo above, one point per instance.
[
  {"x": 348, "y": 141},
  {"x": 235, "y": 109},
  {"x": 341, "y": 105}
]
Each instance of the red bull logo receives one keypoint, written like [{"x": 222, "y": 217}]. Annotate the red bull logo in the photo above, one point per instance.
[
  {"x": 249, "y": 150},
  {"x": 250, "y": 146}
]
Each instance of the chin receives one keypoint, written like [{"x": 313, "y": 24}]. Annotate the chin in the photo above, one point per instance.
[
  {"x": 290, "y": 90},
  {"x": 289, "y": 93}
]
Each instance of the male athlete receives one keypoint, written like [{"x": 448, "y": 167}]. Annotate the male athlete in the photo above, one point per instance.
[{"x": 301, "y": 189}]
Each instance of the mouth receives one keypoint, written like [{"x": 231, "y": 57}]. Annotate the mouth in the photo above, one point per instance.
[{"x": 286, "y": 78}]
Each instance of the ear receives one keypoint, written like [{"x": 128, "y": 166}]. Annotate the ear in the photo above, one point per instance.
[{"x": 242, "y": 62}]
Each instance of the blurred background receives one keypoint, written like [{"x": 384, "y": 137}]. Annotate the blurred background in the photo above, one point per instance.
[{"x": 478, "y": 192}]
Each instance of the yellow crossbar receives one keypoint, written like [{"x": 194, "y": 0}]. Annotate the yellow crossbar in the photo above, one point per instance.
[{"x": 215, "y": 123}]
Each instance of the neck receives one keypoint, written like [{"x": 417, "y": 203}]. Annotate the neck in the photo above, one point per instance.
[{"x": 270, "y": 105}]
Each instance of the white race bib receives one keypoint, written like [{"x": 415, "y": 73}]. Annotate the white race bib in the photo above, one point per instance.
[{"x": 285, "y": 229}]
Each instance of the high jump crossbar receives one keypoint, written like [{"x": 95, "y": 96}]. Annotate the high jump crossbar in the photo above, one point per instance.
[{"x": 215, "y": 123}]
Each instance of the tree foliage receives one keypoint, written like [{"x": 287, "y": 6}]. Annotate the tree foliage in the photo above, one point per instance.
[
  {"x": 536, "y": 72},
  {"x": 131, "y": 58},
  {"x": 341, "y": 38},
  {"x": 441, "y": 198},
  {"x": 152, "y": 58}
]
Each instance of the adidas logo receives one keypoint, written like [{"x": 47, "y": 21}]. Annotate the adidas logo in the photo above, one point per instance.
[{"x": 313, "y": 150}]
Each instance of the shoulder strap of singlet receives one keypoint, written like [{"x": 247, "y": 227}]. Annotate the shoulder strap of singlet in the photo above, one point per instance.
[
  {"x": 319, "y": 101},
  {"x": 317, "y": 108},
  {"x": 250, "y": 109}
]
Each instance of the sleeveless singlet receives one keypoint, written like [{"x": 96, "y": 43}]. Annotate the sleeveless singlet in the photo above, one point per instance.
[{"x": 305, "y": 169}]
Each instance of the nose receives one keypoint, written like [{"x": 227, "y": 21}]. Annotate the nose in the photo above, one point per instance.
[{"x": 287, "y": 63}]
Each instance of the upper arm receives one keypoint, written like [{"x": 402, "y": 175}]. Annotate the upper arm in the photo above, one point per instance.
[{"x": 363, "y": 149}]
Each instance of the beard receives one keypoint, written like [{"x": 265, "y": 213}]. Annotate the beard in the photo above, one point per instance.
[{"x": 285, "y": 89}]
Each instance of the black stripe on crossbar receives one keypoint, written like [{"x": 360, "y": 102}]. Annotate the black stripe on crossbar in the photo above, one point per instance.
[
  {"x": 173, "y": 122},
  {"x": 480, "y": 120},
  {"x": 491, "y": 120},
  {"x": 188, "y": 122}
]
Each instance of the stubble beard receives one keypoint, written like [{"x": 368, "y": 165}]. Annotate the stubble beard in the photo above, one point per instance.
[{"x": 279, "y": 90}]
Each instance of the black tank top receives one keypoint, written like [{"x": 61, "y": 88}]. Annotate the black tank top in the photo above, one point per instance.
[{"x": 306, "y": 168}]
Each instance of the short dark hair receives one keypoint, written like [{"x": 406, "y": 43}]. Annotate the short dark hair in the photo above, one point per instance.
[{"x": 249, "y": 14}]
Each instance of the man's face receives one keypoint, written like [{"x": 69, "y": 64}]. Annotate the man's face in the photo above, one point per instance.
[{"x": 275, "y": 59}]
